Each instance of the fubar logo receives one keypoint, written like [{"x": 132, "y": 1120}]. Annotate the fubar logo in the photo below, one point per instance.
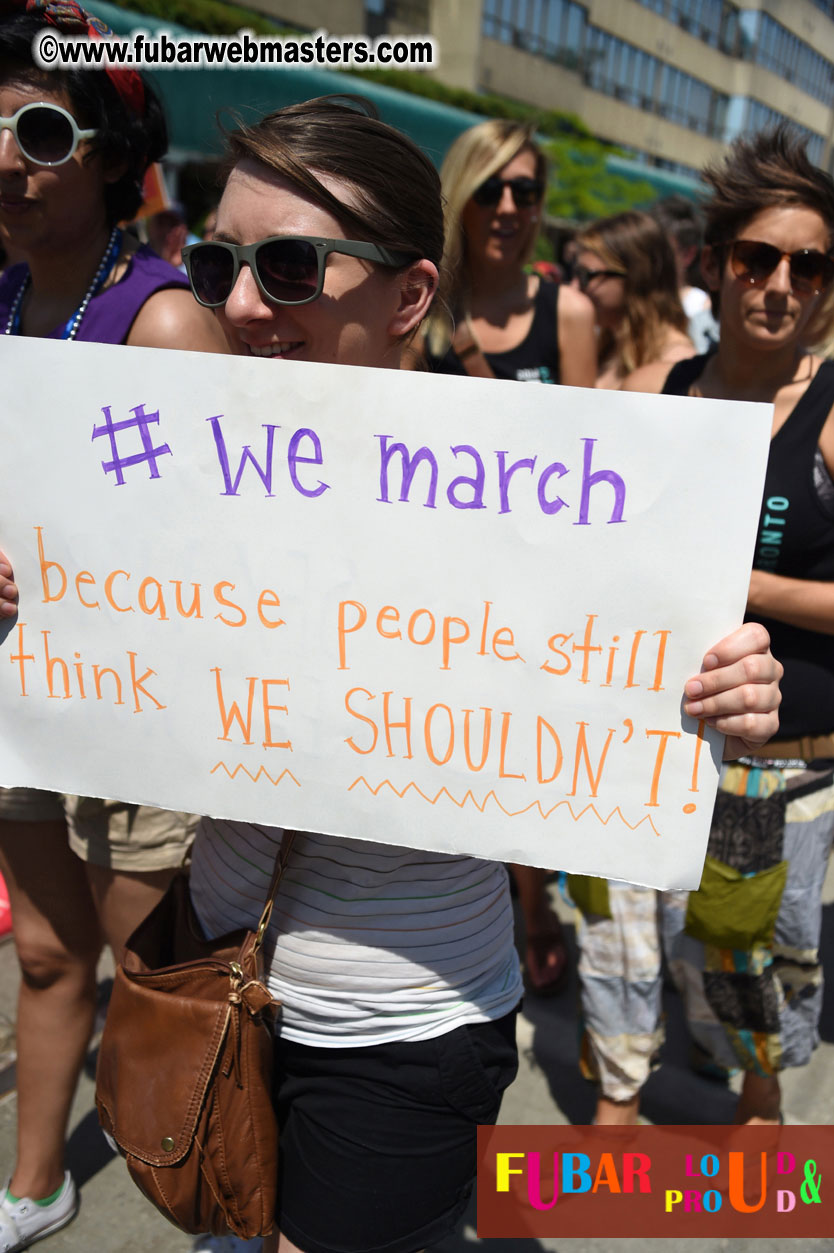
[{"x": 654, "y": 1181}]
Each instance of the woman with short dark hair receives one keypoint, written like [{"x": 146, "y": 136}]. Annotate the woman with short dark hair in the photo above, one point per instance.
[{"x": 748, "y": 960}]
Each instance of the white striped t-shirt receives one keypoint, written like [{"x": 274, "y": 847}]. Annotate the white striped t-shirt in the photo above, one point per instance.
[{"x": 368, "y": 943}]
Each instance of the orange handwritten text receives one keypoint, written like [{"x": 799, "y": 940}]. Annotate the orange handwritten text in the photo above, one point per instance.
[
  {"x": 635, "y": 661},
  {"x": 161, "y": 599},
  {"x": 423, "y": 628},
  {"x": 60, "y": 678},
  {"x": 501, "y": 743},
  {"x": 231, "y": 713}
]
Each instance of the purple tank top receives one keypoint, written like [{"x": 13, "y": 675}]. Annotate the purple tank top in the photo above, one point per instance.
[{"x": 111, "y": 313}]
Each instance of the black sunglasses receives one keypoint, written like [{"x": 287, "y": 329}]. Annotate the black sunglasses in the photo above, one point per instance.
[
  {"x": 289, "y": 269},
  {"x": 45, "y": 133},
  {"x": 526, "y": 192},
  {"x": 584, "y": 276},
  {"x": 754, "y": 262}
]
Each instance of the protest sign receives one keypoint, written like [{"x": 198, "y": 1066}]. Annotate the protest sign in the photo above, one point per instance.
[{"x": 445, "y": 613}]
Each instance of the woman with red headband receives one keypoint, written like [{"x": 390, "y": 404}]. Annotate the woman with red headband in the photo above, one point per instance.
[{"x": 74, "y": 147}]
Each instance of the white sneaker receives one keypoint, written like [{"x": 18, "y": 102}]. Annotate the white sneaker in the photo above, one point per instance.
[
  {"x": 23, "y": 1222},
  {"x": 226, "y": 1244}
]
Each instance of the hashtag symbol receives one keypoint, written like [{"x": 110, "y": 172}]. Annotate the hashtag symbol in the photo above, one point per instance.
[{"x": 143, "y": 422}]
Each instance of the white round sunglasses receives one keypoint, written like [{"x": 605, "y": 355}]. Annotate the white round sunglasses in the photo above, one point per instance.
[{"x": 46, "y": 134}]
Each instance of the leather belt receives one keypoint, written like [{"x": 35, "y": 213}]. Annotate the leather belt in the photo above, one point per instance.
[{"x": 806, "y": 748}]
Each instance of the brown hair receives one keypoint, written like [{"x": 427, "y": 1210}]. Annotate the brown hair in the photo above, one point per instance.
[
  {"x": 636, "y": 244},
  {"x": 767, "y": 171},
  {"x": 396, "y": 188},
  {"x": 770, "y": 169}
]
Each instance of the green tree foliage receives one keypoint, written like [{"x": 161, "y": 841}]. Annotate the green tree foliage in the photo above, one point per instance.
[
  {"x": 580, "y": 188},
  {"x": 215, "y": 17}
]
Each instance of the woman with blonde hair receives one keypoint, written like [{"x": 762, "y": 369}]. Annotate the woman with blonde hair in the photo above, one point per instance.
[
  {"x": 505, "y": 323},
  {"x": 626, "y": 266}
]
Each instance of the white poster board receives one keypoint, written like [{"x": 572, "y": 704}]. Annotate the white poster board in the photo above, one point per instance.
[{"x": 446, "y": 613}]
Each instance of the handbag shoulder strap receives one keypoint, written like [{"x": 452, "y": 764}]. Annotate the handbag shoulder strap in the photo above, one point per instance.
[
  {"x": 281, "y": 858},
  {"x": 469, "y": 352}
]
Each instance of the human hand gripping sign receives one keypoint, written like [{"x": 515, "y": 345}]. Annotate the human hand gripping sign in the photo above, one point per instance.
[
  {"x": 737, "y": 691},
  {"x": 8, "y": 589}
]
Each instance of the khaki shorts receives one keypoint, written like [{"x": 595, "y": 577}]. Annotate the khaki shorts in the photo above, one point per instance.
[{"x": 127, "y": 837}]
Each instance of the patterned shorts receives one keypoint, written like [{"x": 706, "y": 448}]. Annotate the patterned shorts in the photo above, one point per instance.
[{"x": 743, "y": 949}]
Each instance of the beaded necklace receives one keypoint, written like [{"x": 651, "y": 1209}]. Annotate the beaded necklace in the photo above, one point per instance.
[{"x": 101, "y": 275}]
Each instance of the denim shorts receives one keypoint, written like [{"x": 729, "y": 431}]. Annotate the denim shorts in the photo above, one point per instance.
[{"x": 378, "y": 1144}]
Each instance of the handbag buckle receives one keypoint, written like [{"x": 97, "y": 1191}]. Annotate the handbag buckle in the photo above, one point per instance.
[{"x": 262, "y": 925}]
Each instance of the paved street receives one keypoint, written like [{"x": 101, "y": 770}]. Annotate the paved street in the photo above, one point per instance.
[{"x": 115, "y": 1219}]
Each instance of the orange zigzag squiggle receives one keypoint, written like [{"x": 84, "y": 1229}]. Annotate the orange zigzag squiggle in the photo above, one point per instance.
[
  {"x": 470, "y": 798},
  {"x": 262, "y": 772}
]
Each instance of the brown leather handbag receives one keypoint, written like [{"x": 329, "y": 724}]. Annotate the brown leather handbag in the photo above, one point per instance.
[{"x": 184, "y": 1079}]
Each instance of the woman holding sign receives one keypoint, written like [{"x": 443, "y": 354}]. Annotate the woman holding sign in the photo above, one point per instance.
[
  {"x": 74, "y": 147},
  {"x": 395, "y": 967},
  {"x": 745, "y": 948}
]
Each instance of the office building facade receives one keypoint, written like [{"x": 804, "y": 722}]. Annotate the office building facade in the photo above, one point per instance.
[{"x": 671, "y": 81}]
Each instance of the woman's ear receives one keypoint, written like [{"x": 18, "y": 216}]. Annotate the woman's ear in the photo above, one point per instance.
[
  {"x": 418, "y": 284},
  {"x": 711, "y": 265}
]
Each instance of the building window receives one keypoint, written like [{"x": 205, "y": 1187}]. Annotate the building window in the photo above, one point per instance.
[
  {"x": 549, "y": 28},
  {"x": 777, "y": 49},
  {"x": 560, "y": 31},
  {"x": 706, "y": 20},
  {"x": 635, "y": 77},
  {"x": 745, "y": 116}
]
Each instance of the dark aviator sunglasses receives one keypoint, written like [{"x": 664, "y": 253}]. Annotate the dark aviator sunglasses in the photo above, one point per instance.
[
  {"x": 289, "y": 269},
  {"x": 525, "y": 192},
  {"x": 753, "y": 262}
]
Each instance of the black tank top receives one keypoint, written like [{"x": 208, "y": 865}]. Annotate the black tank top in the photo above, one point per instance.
[
  {"x": 795, "y": 538},
  {"x": 534, "y": 360}
]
